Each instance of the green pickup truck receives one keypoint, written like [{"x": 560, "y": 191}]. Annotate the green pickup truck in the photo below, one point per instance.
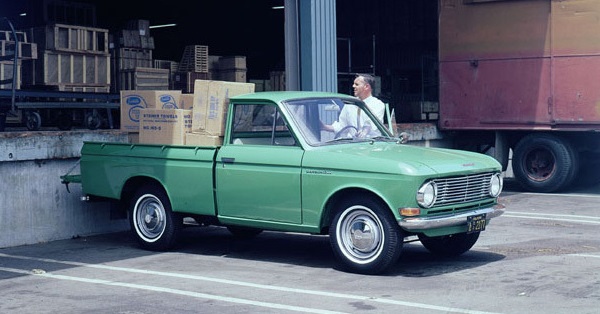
[{"x": 278, "y": 169}]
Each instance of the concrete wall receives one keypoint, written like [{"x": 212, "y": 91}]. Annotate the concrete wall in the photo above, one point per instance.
[{"x": 36, "y": 207}]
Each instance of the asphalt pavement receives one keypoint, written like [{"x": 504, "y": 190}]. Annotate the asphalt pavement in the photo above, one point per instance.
[{"x": 542, "y": 256}]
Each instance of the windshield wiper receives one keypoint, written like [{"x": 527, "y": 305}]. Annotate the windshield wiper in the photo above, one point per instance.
[
  {"x": 383, "y": 138},
  {"x": 348, "y": 139},
  {"x": 340, "y": 139}
]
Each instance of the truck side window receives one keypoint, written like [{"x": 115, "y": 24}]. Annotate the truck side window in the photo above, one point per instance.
[{"x": 260, "y": 124}]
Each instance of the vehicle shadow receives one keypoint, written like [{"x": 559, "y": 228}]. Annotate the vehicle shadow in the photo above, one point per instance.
[
  {"x": 417, "y": 261},
  {"x": 315, "y": 251},
  {"x": 274, "y": 247}
]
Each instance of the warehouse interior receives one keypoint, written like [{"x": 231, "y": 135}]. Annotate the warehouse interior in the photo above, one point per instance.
[{"x": 394, "y": 40}]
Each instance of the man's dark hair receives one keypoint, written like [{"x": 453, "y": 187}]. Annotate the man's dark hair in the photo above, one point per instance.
[{"x": 368, "y": 78}]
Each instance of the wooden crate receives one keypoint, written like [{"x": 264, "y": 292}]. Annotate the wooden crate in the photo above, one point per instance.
[
  {"x": 84, "y": 89},
  {"x": 184, "y": 81},
  {"x": 194, "y": 59},
  {"x": 133, "y": 39},
  {"x": 144, "y": 79},
  {"x": 55, "y": 67},
  {"x": 6, "y": 72},
  {"x": 8, "y": 36},
  {"x": 166, "y": 64},
  {"x": 277, "y": 79},
  {"x": 233, "y": 75},
  {"x": 71, "y": 38},
  {"x": 142, "y": 27},
  {"x": 26, "y": 50},
  {"x": 131, "y": 58},
  {"x": 232, "y": 63}
]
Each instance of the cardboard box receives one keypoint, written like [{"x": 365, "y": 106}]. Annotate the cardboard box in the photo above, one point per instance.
[
  {"x": 134, "y": 100},
  {"x": 216, "y": 103},
  {"x": 203, "y": 139},
  {"x": 200, "y": 105},
  {"x": 164, "y": 126},
  {"x": 186, "y": 102}
]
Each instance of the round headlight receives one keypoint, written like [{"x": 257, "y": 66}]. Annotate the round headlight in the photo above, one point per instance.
[
  {"x": 427, "y": 194},
  {"x": 495, "y": 185}
]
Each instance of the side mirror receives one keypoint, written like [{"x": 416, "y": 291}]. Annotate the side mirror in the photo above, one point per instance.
[{"x": 403, "y": 137}]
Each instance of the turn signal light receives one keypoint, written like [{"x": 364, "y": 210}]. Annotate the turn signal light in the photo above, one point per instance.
[{"x": 410, "y": 212}]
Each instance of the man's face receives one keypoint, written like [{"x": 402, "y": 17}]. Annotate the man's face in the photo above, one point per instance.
[{"x": 361, "y": 90}]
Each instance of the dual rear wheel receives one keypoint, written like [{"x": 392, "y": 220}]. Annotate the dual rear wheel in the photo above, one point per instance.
[{"x": 545, "y": 163}]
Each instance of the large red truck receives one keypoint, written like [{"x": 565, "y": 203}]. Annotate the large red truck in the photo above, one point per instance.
[{"x": 523, "y": 77}]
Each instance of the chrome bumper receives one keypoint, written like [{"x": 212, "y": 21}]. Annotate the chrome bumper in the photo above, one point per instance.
[{"x": 423, "y": 223}]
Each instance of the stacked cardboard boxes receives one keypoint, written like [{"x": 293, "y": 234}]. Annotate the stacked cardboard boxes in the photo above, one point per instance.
[
  {"x": 133, "y": 101},
  {"x": 176, "y": 118},
  {"x": 164, "y": 126},
  {"x": 186, "y": 101},
  {"x": 209, "y": 111}
]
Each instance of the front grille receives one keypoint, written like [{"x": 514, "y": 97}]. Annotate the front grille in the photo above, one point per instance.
[{"x": 463, "y": 189}]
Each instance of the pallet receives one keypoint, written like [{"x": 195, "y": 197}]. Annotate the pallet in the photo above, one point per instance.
[
  {"x": 144, "y": 79},
  {"x": 194, "y": 59}
]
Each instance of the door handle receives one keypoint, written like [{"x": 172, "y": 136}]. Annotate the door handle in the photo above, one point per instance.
[{"x": 227, "y": 160}]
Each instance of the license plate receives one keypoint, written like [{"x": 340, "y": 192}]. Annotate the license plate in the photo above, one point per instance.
[{"x": 475, "y": 223}]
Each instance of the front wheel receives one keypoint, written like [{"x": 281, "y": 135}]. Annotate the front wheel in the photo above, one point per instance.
[
  {"x": 449, "y": 245},
  {"x": 155, "y": 225},
  {"x": 365, "y": 237}
]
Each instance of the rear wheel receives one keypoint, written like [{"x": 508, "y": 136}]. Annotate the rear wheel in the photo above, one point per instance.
[
  {"x": 449, "y": 245},
  {"x": 365, "y": 237},
  {"x": 33, "y": 121},
  {"x": 544, "y": 163},
  {"x": 155, "y": 225},
  {"x": 64, "y": 121},
  {"x": 92, "y": 120}
]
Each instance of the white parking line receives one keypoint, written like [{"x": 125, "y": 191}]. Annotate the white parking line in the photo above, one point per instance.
[
  {"x": 586, "y": 255},
  {"x": 562, "y": 195},
  {"x": 230, "y": 282},
  {"x": 555, "y": 217},
  {"x": 173, "y": 291}
]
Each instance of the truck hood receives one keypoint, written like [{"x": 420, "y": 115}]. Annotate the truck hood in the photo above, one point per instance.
[{"x": 394, "y": 158}]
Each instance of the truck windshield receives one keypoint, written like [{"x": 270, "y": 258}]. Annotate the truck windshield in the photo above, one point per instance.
[{"x": 325, "y": 121}]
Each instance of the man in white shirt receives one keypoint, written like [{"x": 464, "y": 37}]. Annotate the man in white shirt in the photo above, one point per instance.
[{"x": 350, "y": 116}]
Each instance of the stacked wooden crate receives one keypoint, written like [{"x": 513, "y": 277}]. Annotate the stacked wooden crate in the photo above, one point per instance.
[
  {"x": 193, "y": 66},
  {"x": 228, "y": 68},
  {"x": 25, "y": 51},
  {"x": 72, "y": 58},
  {"x": 172, "y": 66},
  {"x": 132, "y": 54}
]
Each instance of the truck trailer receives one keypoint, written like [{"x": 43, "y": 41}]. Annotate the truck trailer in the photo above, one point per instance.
[{"x": 520, "y": 79}]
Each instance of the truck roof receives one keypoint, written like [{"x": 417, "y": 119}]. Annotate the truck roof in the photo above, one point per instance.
[{"x": 278, "y": 96}]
